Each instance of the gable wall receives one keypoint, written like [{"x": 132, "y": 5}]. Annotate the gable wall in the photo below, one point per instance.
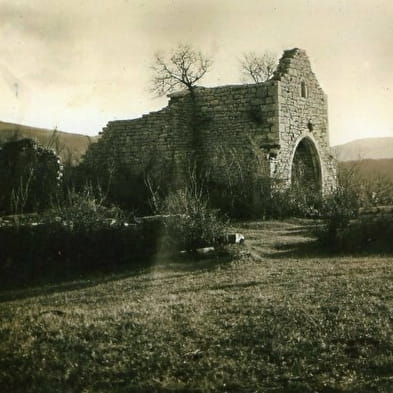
[{"x": 301, "y": 117}]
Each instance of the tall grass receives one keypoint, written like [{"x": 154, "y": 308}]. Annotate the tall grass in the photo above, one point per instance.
[{"x": 191, "y": 223}]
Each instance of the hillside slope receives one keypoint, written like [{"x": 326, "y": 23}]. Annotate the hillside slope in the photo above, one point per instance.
[
  {"x": 68, "y": 145},
  {"x": 361, "y": 149}
]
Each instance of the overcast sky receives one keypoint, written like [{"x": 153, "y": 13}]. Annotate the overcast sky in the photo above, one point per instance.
[{"x": 76, "y": 64}]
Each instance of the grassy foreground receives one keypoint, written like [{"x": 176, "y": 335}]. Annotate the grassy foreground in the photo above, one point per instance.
[{"x": 279, "y": 318}]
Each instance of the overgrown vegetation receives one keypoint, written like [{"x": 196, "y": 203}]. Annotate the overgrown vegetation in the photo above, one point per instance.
[
  {"x": 77, "y": 222},
  {"x": 345, "y": 230},
  {"x": 365, "y": 234},
  {"x": 85, "y": 209},
  {"x": 29, "y": 177},
  {"x": 191, "y": 223},
  {"x": 77, "y": 237},
  {"x": 84, "y": 231}
]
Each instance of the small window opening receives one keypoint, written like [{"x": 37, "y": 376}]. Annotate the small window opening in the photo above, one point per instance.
[{"x": 303, "y": 89}]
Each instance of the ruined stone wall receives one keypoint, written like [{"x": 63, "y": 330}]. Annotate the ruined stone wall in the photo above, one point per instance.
[
  {"x": 226, "y": 126},
  {"x": 234, "y": 123},
  {"x": 231, "y": 130},
  {"x": 302, "y": 114},
  {"x": 161, "y": 138}
]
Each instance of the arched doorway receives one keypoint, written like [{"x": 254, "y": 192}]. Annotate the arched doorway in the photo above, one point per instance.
[{"x": 306, "y": 167}]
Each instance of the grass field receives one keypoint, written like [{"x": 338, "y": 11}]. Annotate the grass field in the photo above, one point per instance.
[{"x": 280, "y": 317}]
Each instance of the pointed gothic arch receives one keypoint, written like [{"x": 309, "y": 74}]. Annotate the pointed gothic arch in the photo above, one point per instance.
[{"x": 306, "y": 170}]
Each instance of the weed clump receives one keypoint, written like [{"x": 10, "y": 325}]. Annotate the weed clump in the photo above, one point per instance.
[{"x": 191, "y": 223}]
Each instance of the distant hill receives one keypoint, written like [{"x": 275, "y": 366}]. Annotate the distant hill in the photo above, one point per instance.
[
  {"x": 362, "y": 149},
  {"x": 69, "y": 146}
]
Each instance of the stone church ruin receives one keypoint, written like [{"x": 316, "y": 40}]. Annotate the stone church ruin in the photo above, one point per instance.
[{"x": 275, "y": 130}]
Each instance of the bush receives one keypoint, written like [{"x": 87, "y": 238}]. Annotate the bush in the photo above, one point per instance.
[
  {"x": 240, "y": 199},
  {"x": 366, "y": 234},
  {"x": 29, "y": 177},
  {"x": 191, "y": 224},
  {"x": 344, "y": 230},
  {"x": 338, "y": 209},
  {"x": 293, "y": 202}
]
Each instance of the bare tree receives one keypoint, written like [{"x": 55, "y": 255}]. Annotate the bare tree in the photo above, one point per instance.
[
  {"x": 183, "y": 68},
  {"x": 257, "y": 68}
]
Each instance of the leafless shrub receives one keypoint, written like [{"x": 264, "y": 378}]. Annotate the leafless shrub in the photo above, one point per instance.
[{"x": 258, "y": 68}]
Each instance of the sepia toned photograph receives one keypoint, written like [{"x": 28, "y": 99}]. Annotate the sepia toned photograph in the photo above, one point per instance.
[{"x": 196, "y": 196}]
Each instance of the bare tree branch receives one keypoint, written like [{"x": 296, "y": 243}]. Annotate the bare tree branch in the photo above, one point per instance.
[
  {"x": 184, "y": 68},
  {"x": 258, "y": 69}
]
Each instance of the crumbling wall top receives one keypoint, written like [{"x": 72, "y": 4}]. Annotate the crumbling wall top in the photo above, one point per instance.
[{"x": 294, "y": 63}]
